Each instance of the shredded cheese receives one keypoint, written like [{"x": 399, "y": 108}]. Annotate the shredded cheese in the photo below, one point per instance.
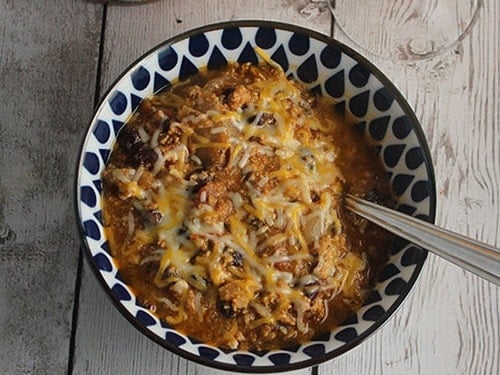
[{"x": 277, "y": 216}]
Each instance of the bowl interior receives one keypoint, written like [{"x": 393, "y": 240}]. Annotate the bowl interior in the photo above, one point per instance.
[{"x": 324, "y": 66}]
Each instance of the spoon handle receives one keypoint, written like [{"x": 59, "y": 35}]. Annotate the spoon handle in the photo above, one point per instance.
[{"x": 474, "y": 256}]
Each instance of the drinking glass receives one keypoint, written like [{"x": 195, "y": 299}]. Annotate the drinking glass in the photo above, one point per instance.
[{"x": 405, "y": 29}]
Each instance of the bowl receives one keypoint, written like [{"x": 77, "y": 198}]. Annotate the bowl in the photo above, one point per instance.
[{"x": 325, "y": 66}]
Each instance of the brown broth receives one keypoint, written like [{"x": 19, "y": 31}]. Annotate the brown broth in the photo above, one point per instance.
[{"x": 219, "y": 306}]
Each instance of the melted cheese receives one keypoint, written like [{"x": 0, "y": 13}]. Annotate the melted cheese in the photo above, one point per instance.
[{"x": 281, "y": 200}]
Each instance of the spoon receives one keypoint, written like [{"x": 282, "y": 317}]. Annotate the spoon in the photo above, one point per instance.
[{"x": 474, "y": 256}]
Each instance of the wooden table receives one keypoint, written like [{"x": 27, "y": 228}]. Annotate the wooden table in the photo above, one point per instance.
[{"x": 58, "y": 56}]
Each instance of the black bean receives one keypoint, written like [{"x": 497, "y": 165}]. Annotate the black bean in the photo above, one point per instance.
[
  {"x": 165, "y": 124},
  {"x": 266, "y": 119},
  {"x": 247, "y": 176},
  {"x": 225, "y": 309},
  {"x": 311, "y": 293},
  {"x": 314, "y": 196},
  {"x": 376, "y": 196},
  {"x": 256, "y": 223},
  {"x": 129, "y": 140},
  {"x": 226, "y": 93},
  {"x": 311, "y": 287},
  {"x": 237, "y": 259},
  {"x": 198, "y": 186},
  {"x": 154, "y": 216},
  {"x": 144, "y": 156}
]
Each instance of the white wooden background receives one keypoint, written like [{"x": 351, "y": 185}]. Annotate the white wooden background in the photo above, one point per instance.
[{"x": 58, "y": 56}]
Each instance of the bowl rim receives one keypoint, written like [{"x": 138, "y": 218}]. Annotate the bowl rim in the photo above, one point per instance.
[{"x": 392, "y": 89}]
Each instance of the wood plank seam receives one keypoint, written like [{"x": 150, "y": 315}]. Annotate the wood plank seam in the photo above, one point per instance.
[{"x": 78, "y": 282}]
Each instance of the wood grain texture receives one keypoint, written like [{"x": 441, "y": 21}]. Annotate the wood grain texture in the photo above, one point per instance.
[
  {"x": 48, "y": 52},
  {"x": 449, "y": 324},
  {"x": 105, "y": 341}
]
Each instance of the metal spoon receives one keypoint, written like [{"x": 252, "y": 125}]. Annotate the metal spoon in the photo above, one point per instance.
[{"x": 474, "y": 256}]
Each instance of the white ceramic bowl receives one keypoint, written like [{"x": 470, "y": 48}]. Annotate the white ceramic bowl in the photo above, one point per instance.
[{"x": 323, "y": 65}]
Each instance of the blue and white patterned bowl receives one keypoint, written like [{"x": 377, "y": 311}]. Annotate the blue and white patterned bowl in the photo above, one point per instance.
[{"x": 325, "y": 66}]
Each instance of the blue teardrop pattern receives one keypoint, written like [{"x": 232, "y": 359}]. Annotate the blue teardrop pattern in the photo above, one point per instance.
[
  {"x": 243, "y": 359},
  {"x": 140, "y": 78},
  {"x": 103, "y": 263},
  {"x": 248, "y": 55},
  {"x": 420, "y": 191},
  {"x": 98, "y": 216},
  {"x": 398, "y": 244},
  {"x": 373, "y": 297},
  {"x": 105, "y": 247},
  {"x": 335, "y": 85},
  {"x": 307, "y": 72},
  {"x": 316, "y": 90},
  {"x": 175, "y": 338},
  {"x": 145, "y": 318},
  {"x": 117, "y": 126},
  {"x": 118, "y": 103},
  {"x": 330, "y": 57},
  {"x": 167, "y": 59},
  {"x": 358, "y": 105},
  {"x": 353, "y": 319},
  {"x": 280, "y": 359},
  {"x": 104, "y": 152},
  {"x": 98, "y": 185},
  {"x": 414, "y": 158},
  {"x": 411, "y": 256},
  {"x": 401, "y": 182},
  {"x": 382, "y": 100},
  {"x": 396, "y": 287},
  {"x": 102, "y": 131},
  {"x": 347, "y": 335},
  {"x": 406, "y": 209},
  {"x": 160, "y": 82},
  {"x": 135, "y": 101},
  {"x": 392, "y": 154},
  {"x": 121, "y": 293},
  {"x": 279, "y": 56},
  {"x": 299, "y": 44},
  {"x": 339, "y": 108},
  {"x": 87, "y": 196},
  {"x": 216, "y": 60},
  {"x": 208, "y": 353},
  {"x": 378, "y": 127},
  {"x": 374, "y": 313},
  {"x": 359, "y": 75},
  {"x": 265, "y": 38},
  {"x": 187, "y": 68},
  {"x": 401, "y": 127},
  {"x": 389, "y": 271},
  {"x": 92, "y": 230},
  {"x": 315, "y": 350},
  {"x": 231, "y": 38},
  {"x": 91, "y": 162},
  {"x": 198, "y": 45},
  {"x": 119, "y": 277}
]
